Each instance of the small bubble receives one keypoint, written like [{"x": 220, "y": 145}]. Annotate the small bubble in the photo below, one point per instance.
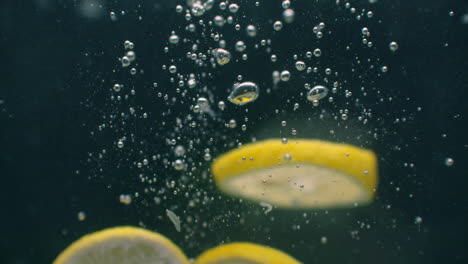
[
  {"x": 202, "y": 102},
  {"x": 198, "y": 9},
  {"x": 207, "y": 156},
  {"x": 233, "y": 8},
  {"x": 317, "y": 53},
  {"x": 323, "y": 240},
  {"x": 131, "y": 55},
  {"x": 393, "y": 46},
  {"x": 125, "y": 61},
  {"x": 125, "y": 199},
  {"x": 418, "y": 220},
  {"x": 232, "y": 123},
  {"x": 178, "y": 164},
  {"x": 278, "y": 25},
  {"x": 192, "y": 83},
  {"x": 240, "y": 46},
  {"x": 172, "y": 69},
  {"x": 174, "y": 39},
  {"x": 219, "y": 21},
  {"x": 113, "y": 16},
  {"x": 81, "y": 216},
  {"x": 285, "y": 76},
  {"x": 273, "y": 58},
  {"x": 300, "y": 65},
  {"x": 288, "y": 15},
  {"x": 221, "y": 105},
  {"x": 449, "y": 162},
  {"x": 317, "y": 93},
  {"x": 222, "y": 56},
  {"x": 244, "y": 93},
  {"x": 117, "y": 87},
  {"x": 179, "y": 151},
  {"x": 251, "y": 31}
]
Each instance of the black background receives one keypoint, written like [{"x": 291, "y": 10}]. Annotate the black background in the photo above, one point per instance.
[{"x": 52, "y": 58}]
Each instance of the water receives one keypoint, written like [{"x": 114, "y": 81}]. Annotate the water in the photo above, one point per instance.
[{"x": 113, "y": 113}]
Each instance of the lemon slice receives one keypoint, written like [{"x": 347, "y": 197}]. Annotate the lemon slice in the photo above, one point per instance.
[
  {"x": 122, "y": 245},
  {"x": 244, "y": 253},
  {"x": 300, "y": 174}
]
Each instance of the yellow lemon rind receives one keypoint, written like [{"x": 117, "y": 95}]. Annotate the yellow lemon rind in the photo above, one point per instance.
[
  {"x": 109, "y": 235},
  {"x": 360, "y": 165},
  {"x": 244, "y": 251}
]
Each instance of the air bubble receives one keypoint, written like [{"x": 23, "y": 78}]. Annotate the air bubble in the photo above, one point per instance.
[
  {"x": 233, "y": 8},
  {"x": 198, "y": 9},
  {"x": 449, "y": 162},
  {"x": 273, "y": 58},
  {"x": 393, "y": 46},
  {"x": 178, "y": 164},
  {"x": 300, "y": 65},
  {"x": 131, "y": 56},
  {"x": 285, "y": 76},
  {"x": 202, "y": 102},
  {"x": 172, "y": 69},
  {"x": 221, "y": 105},
  {"x": 81, "y": 216},
  {"x": 278, "y": 25},
  {"x": 222, "y": 56},
  {"x": 117, "y": 87},
  {"x": 125, "y": 61},
  {"x": 244, "y": 93},
  {"x": 317, "y": 93},
  {"x": 232, "y": 123},
  {"x": 317, "y": 53},
  {"x": 251, "y": 31},
  {"x": 240, "y": 46},
  {"x": 174, "y": 39},
  {"x": 219, "y": 21},
  {"x": 288, "y": 15}
]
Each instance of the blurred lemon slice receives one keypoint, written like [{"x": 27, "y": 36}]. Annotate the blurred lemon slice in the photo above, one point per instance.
[
  {"x": 122, "y": 245},
  {"x": 299, "y": 174},
  {"x": 244, "y": 253}
]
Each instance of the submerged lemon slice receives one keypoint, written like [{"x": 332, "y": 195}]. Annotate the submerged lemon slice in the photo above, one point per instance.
[
  {"x": 122, "y": 245},
  {"x": 244, "y": 253},
  {"x": 300, "y": 174}
]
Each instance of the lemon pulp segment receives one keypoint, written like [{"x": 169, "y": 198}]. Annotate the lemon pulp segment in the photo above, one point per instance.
[
  {"x": 122, "y": 245},
  {"x": 244, "y": 253},
  {"x": 300, "y": 174}
]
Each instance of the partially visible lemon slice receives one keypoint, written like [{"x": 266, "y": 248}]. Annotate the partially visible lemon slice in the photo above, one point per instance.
[
  {"x": 300, "y": 174},
  {"x": 122, "y": 245},
  {"x": 244, "y": 253}
]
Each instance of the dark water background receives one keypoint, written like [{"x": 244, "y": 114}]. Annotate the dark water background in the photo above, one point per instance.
[{"x": 54, "y": 61}]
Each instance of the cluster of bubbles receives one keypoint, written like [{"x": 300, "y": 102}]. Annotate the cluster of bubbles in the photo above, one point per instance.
[
  {"x": 169, "y": 150},
  {"x": 241, "y": 93},
  {"x": 214, "y": 20}
]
